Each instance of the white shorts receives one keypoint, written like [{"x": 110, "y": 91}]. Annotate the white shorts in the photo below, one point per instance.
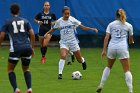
[
  {"x": 120, "y": 53},
  {"x": 71, "y": 47}
]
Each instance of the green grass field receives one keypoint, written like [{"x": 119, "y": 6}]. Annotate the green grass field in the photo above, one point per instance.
[{"x": 44, "y": 76}]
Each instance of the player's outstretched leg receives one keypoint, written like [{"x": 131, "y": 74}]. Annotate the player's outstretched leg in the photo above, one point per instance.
[{"x": 105, "y": 75}]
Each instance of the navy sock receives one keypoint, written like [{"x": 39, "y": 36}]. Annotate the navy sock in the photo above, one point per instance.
[
  {"x": 41, "y": 49},
  {"x": 27, "y": 76},
  {"x": 44, "y": 50},
  {"x": 12, "y": 79}
]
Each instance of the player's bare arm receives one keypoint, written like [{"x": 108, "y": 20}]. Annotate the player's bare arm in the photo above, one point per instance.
[
  {"x": 52, "y": 23},
  {"x": 2, "y": 35},
  {"x": 131, "y": 40},
  {"x": 49, "y": 32},
  {"x": 32, "y": 39},
  {"x": 105, "y": 44},
  {"x": 88, "y": 28}
]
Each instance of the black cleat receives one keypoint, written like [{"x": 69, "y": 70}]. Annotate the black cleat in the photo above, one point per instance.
[
  {"x": 72, "y": 58},
  {"x": 84, "y": 66},
  {"x": 59, "y": 76},
  {"x": 69, "y": 63},
  {"x": 99, "y": 90}
]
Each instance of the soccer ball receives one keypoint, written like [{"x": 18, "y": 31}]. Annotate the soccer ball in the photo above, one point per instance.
[{"x": 76, "y": 75}]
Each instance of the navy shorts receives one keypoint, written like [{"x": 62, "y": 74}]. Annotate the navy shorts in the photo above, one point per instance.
[
  {"x": 43, "y": 30},
  {"x": 24, "y": 54}
]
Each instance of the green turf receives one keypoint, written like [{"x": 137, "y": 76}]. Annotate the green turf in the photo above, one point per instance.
[{"x": 44, "y": 76}]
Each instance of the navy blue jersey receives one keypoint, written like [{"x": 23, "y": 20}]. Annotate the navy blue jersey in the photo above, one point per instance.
[
  {"x": 17, "y": 28},
  {"x": 46, "y": 19}
]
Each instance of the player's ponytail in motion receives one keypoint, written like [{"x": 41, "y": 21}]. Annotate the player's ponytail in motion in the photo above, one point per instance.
[{"x": 121, "y": 15}]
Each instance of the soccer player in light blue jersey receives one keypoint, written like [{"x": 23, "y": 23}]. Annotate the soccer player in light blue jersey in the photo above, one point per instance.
[
  {"x": 118, "y": 30},
  {"x": 68, "y": 40}
]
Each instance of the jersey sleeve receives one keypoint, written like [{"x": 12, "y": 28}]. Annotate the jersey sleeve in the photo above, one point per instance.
[
  {"x": 37, "y": 17},
  {"x": 28, "y": 26},
  {"x": 108, "y": 29},
  {"x": 130, "y": 30},
  {"x": 53, "y": 17},
  {"x": 75, "y": 21}
]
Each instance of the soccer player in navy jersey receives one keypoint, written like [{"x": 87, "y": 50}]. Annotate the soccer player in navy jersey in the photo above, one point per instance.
[
  {"x": 45, "y": 19},
  {"x": 19, "y": 30}
]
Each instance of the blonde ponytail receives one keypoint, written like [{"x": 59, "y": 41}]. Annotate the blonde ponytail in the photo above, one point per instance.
[{"x": 121, "y": 15}]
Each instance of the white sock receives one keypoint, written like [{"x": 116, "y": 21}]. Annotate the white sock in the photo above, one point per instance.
[
  {"x": 83, "y": 60},
  {"x": 128, "y": 79},
  {"x": 105, "y": 75},
  {"x": 61, "y": 65}
]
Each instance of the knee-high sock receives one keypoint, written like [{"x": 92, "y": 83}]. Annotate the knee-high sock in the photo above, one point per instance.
[
  {"x": 105, "y": 75},
  {"x": 12, "y": 79},
  {"x": 27, "y": 76},
  {"x": 128, "y": 79},
  {"x": 43, "y": 51},
  {"x": 61, "y": 65}
]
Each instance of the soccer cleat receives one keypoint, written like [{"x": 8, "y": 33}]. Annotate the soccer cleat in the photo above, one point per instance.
[
  {"x": 17, "y": 90},
  {"x": 43, "y": 60},
  {"x": 72, "y": 58},
  {"x": 69, "y": 63},
  {"x": 84, "y": 66},
  {"x": 59, "y": 76},
  {"x": 99, "y": 89},
  {"x": 29, "y": 90}
]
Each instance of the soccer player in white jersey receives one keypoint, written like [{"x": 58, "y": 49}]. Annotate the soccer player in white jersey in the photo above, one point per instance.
[
  {"x": 118, "y": 31},
  {"x": 67, "y": 26}
]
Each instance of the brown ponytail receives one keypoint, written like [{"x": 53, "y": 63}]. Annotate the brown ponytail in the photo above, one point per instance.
[{"x": 120, "y": 14}]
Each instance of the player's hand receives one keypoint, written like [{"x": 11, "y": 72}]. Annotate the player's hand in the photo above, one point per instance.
[
  {"x": 96, "y": 30},
  {"x": 40, "y": 22},
  {"x": 103, "y": 54}
]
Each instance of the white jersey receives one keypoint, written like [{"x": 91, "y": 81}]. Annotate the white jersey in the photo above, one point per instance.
[
  {"x": 119, "y": 34},
  {"x": 67, "y": 29}
]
